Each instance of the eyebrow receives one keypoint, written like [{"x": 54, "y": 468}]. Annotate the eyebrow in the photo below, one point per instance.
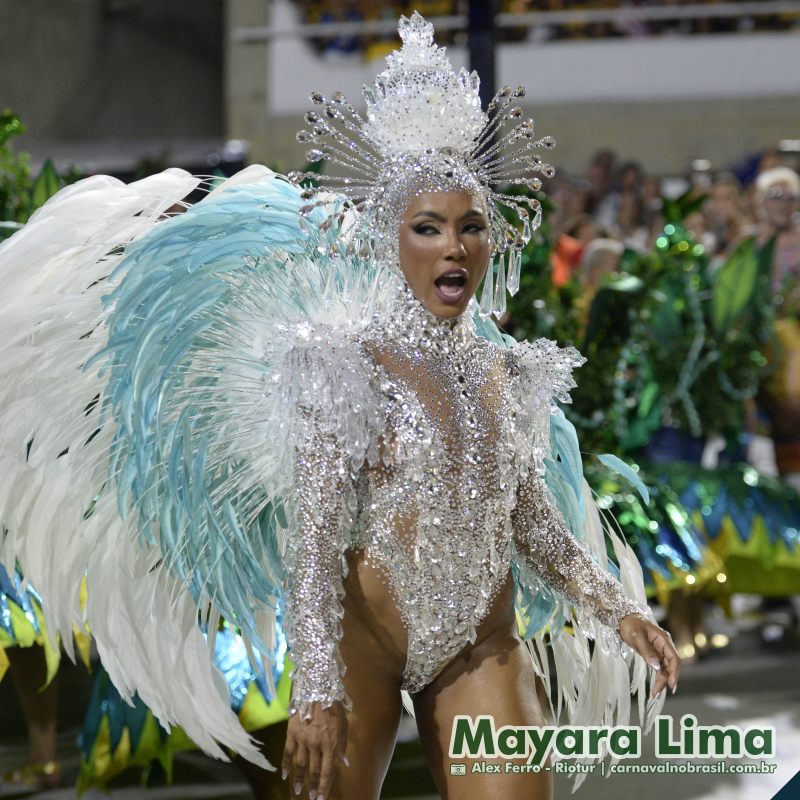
[{"x": 473, "y": 212}]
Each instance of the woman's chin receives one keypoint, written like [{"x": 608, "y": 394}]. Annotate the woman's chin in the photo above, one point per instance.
[{"x": 447, "y": 310}]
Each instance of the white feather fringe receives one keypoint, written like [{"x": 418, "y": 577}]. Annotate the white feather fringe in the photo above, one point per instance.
[{"x": 54, "y": 274}]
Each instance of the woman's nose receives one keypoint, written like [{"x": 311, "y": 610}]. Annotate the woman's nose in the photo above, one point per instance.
[{"x": 454, "y": 249}]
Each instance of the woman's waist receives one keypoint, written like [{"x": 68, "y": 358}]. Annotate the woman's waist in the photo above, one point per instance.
[{"x": 398, "y": 611}]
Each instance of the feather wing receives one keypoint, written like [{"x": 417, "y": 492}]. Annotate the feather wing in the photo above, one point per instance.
[{"x": 147, "y": 420}]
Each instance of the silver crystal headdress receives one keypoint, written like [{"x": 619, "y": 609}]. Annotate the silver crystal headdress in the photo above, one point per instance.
[{"x": 425, "y": 131}]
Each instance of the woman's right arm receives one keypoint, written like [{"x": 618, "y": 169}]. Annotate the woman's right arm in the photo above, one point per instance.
[
  {"x": 317, "y": 733},
  {"x": 334, "y": 420}
]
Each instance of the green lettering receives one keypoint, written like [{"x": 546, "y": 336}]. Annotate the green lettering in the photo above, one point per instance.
[
  {"x": 510, "y": 742},
  {"x": 540, "y": 739},
  {"x": 753, "y": 748},
  {"x": 688, "y": 721},
  {"x": 570, "y": 742},
  {"x": 631, "y": 742},
  {"x": 595, "y": 735},
  {"x": 664, "y": 744},
  {"x": 712, "y": 741},
  {"x": 472, "y": 739}
]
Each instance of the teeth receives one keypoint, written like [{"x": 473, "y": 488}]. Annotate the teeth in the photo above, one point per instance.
[{"x": 451, "y": 279}]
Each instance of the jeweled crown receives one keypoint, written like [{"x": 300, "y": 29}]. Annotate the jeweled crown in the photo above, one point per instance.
[{"x": 425, "y": 131}]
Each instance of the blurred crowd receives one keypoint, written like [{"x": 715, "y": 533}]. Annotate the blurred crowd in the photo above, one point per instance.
[
  {"x": 617, "y": 205},
  {"x": 330, "y": 11}
]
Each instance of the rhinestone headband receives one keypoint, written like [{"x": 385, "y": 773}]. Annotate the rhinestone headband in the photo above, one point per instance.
[{"x": 425, "y": 131}]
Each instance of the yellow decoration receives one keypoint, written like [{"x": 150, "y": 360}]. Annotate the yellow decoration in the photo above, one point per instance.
[
  {"x": 256, "y": 713},
  {"x": 706, "y": 571},
  {"x": 757, "y": 566},
  {"x": 52, "y": 652},
  {"x": 21, "y": 626}
]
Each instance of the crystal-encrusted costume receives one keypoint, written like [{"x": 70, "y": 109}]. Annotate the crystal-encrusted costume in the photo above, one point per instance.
[
  {"x": 458, "y": 494},
  {"x": 253, "y": 424},
  {"x": 220, "y": 404}
]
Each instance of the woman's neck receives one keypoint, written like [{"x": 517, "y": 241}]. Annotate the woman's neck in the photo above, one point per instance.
[{"x": 407, "y": 318}]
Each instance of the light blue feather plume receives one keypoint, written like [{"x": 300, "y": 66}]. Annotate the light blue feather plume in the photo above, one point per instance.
[
  {"x": 215, "y": 527},
  {"x": 626, "y": 471}
]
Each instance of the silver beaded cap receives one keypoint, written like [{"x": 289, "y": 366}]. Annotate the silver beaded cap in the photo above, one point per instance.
[{"x": 424, "y": 131}]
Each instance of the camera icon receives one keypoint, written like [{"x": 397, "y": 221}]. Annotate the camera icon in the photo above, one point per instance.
[{"x": 458, "y": 769}]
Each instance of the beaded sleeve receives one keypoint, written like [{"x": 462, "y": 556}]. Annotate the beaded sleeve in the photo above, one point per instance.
[
  {"x": 564, "y": 563},
  {"x": 542, "y": 376},
  {"x": 315, "y": 571},
  {"x": 332, "y": 418}
]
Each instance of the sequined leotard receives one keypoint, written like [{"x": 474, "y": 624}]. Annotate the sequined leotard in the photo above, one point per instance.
[{"x": 457, "y": 494}]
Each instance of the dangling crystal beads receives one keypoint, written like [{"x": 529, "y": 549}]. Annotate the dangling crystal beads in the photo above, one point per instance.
[
  {"x": 487, "y": 295},
  {"x": 514, "y": 261},
  {"x": 499, "y": 303},
  {"x": 537, "y": 218}
]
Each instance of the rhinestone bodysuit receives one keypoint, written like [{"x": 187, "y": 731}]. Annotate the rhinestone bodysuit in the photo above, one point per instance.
[{"x": 455, "y": 497}]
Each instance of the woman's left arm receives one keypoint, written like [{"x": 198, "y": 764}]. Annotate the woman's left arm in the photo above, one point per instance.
[{"x": 542, "y": 537}]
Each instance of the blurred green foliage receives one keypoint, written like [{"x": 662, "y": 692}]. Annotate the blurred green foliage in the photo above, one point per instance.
[
  {"x": 669, "y": 340},
  {"x": 21, "y": 193}
]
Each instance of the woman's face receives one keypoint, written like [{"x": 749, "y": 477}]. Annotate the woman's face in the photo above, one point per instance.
[{"x": 444, "y": 250}]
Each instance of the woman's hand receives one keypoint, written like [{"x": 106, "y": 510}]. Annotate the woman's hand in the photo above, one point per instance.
[
  {"x": 313, "y": 747},
  {"x": 655, "y": 646}
]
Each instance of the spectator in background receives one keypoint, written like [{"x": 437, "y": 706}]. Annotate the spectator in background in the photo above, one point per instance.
[
  {"x": 631, "y": 228},
  {"x": 334, "y": 11},
  {"x": 770, "y": 159},
  {"x": 629, "y": 179},
  {"x": 777, "y": 193},
  {"x": 583, "y": 228},
  {"x": 578, "y": 232},
  {"x": 619, "y": 25},
  {"x": 599, "y": 259},
  {"x": 696, "y": 225},
  {"x": 599, "y": 177},
  {"x": 652, "y": 202},
  {"x": 727, "y": 216},
  {"x": 569, "y": 198}
]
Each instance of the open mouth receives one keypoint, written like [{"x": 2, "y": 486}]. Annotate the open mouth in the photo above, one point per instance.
[{"x": 451, "y": 286}]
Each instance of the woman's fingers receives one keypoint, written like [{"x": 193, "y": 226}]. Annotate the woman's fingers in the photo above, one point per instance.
[
  {"x": 658, "y": 685},
  {"x": 325, "y": 776},
  {"x": 314, "y": 766},
  {"x": 645, "y": 648},
  {"x": 655, "y": 646},
  {"x": 657, "y": 650},
  {"x": 288, "y": 755},
  {"x": 669, "y": 657},
  {"x": 314, "y": 747},
  {"x": 300, "y": 768}
]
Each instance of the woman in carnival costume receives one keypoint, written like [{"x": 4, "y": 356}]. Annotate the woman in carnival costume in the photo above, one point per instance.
[{"x": 286, "y": 401}]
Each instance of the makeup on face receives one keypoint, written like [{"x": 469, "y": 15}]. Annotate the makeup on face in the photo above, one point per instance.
[{"x": 444, "y": 250}]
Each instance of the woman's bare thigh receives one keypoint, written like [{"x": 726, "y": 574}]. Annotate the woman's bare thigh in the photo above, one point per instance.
[
  {"x": 371, "y": 681},
  {"x": 496, "y": 678}
]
